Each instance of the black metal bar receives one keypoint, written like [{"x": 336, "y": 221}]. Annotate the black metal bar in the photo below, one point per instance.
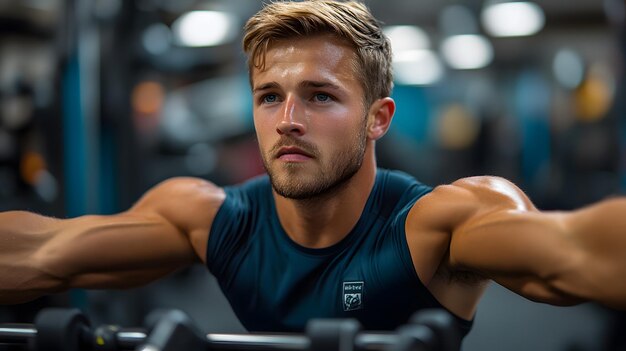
[
  {"x": 16, "y": 333},
  {"x": 258, "y": 342},
  {"x": 128, "y": 339},
  {"x": 374, "y": 341}
]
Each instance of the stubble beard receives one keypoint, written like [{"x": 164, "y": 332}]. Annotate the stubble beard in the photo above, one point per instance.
[{"x": 331, "y": 176}]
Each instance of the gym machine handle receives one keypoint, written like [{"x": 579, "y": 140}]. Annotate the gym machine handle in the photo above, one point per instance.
[
  {"x": 128, "y": 339},
  {"x": 69, "y": 330}
]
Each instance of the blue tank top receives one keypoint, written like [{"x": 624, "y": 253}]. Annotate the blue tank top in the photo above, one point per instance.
[{"x": 274, "y": 284}]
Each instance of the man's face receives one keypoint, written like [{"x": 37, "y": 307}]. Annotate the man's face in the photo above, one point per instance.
[{"x": 309, "y": 116}]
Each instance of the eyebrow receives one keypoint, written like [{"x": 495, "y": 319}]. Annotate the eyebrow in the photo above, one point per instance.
[
  {"x": 314, "y": 84},
  {"x": 265, "y": 86},
  {"x": 303, "y": 84}
]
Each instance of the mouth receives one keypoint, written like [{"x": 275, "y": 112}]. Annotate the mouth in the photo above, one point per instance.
[{"x": 293, "y": 154}]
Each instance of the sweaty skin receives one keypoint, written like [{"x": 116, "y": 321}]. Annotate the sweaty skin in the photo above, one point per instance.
[
  {"x": 165, "y": 230},
  {"x": 309, "y": 116}
]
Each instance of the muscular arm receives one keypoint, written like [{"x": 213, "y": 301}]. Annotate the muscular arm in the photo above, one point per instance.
[
  {"x": 166, "y": 229},
  {"x": 561, "y": 258}
]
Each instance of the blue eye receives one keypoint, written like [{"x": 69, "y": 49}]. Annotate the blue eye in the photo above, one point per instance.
[
  {"x": 270, "y": 98},
  {"x": 322, "y": 97}
]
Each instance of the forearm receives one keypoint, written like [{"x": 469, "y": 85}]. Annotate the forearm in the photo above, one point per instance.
[
  {"x": 573, "y": 256},
  {"x": 113, "y": 246},
  {"x": 554, "y": 257},
  {"x": 559, "y": 258},
  {"x": 40, "y": 255},
  {"x": 23, "y": 278},
  {"x": 599, "y": 231}
]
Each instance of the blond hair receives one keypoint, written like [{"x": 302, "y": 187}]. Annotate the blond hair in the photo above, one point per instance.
[{"x": 349, "y": 21}]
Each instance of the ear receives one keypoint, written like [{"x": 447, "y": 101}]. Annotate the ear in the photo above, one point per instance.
[{"x": 379, "y": 117}]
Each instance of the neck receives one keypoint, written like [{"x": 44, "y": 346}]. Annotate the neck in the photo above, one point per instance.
[{"x": 325, "y": 220}]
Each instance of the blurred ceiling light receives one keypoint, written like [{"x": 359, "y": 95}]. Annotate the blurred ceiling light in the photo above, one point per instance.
[
  {"x": 406, "y": 38},
  {"x": 205, "y": 28},
  {"x": 568, "y": 68},
  {"x": 467, "y": 51},
  {"x": 512, "y": 19},
  {"x": 156, "y": 39},
  {"x": 417, "y": 67}
]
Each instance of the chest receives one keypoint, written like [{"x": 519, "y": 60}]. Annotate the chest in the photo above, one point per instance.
[{"x": 278, "y": 288}]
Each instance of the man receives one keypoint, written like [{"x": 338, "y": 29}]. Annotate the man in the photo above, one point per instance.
[{"x": 326, "y": 233}]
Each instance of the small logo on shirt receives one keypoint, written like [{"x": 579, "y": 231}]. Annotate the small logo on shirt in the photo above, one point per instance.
[{"x": 352, "y": 296}]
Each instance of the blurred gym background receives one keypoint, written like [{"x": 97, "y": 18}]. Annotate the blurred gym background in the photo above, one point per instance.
[{"x": 102, "y": 99}]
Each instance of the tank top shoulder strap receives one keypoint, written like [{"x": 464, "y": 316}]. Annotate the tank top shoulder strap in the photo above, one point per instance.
[{"x": 400, "y": 189}]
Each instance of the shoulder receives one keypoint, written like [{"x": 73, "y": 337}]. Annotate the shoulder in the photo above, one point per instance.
[
  {"x": 181, "y": 190},
  {"x": 449, "y": 205},
  {"x": 491, "y": 190},
  {"x": 433, "y": 219},
  {"x": 187, "y": 203}
]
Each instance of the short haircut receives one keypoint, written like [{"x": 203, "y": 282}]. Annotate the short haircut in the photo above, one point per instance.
[{"x": 350, "y": 21}]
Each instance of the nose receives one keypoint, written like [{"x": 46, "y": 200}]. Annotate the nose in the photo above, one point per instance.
[{"x": 292, "y": 119}]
